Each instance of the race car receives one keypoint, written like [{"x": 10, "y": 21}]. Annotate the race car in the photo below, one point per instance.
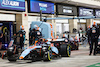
[
  {"x": 63, "y": 46},
  {"x": 39, "y": 50}
]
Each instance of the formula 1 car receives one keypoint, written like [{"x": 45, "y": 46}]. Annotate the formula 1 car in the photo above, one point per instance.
[
  {"x": 40, "y": 50},
  {"x": 62, "y": 45}
]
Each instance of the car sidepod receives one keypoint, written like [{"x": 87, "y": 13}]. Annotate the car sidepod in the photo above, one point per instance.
[{"x": 28, "y": 51}]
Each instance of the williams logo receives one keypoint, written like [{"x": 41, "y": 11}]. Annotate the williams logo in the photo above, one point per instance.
[
  {"x": 10, "y": 3},
  {"x": 43, "y": 6}
]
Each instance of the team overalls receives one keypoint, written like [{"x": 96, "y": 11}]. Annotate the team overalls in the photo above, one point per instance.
[
  {"x": 32, "y": 34},
  {"x": 94, "y": 34},
  {"x": 21, "y": 34},
  {"x": 22, "y": 38},
  {"x": 37, "y": 35}
]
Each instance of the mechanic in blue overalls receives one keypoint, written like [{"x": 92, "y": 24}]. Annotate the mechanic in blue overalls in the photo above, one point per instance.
[
  {"x": 36, "y": 33},
  {"x": 31, "y": 36},
  {"x": 21, "y": 34},
  {"x": 94, "y": 34}
]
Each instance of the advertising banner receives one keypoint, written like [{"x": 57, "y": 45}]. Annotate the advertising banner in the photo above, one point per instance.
[
  {"x": 86, "y": 11},
  {"x": 66, "y": 10},
  {"x": 45, "y": 7},
  {"x": 97, "y": 13},
  {"x": 18, "y": 5}
]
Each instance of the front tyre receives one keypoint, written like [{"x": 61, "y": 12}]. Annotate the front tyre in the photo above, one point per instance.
[
  {"x": 12, "y": 59},
  {"x": 12, "y": 54},
  {"x": 47, "y": 55}
]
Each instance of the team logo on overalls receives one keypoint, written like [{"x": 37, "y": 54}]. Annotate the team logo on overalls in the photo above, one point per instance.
[
  {"x": 93, "y": 30},
  {"x": 38, "y": 33}
]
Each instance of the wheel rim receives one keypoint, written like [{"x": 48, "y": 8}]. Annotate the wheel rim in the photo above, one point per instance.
[
  {"x": 68, "y": 51},
  {"x": 49, "y": 53}
]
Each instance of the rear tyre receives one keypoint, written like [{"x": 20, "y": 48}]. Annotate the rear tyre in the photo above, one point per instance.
[
  {"x": 65, "y": 50},
  {"x": 11, "y": 55}
]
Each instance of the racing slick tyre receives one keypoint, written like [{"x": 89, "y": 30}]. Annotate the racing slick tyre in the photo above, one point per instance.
[
  {"x": 12, "y": 59},
  {"x": 47, "y": 55},
  {"x": 12, "y": 54},
  {"x": 65, "y": 50}
]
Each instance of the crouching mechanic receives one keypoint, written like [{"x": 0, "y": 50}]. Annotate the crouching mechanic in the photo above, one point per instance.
[
  {"x": 21, "y": 34},
  {"x": 94, "y": 34}
]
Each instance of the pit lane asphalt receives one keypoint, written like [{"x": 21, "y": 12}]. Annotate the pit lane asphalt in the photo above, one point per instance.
[{"x": 78, "y": 58}]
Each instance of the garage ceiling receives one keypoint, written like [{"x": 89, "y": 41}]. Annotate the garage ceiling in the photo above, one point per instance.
[{"x": 74, "y": 3}]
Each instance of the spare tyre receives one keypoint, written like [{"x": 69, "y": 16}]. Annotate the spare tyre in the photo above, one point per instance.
[{"x": 12, "y": 59}]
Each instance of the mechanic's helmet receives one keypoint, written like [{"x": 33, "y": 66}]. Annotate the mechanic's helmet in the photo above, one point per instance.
[
  {"x": 89, "y": 26},
  {"x": 57, "y": 37},
  {"x": 94, "y": 24},
  {"x": 22, "y": 27},
  {"x": 75, "y": 37},
  {"x": 64, "y": 36},
  {"x": 37, "y": 28},
  {"x": 71, "y": 39}
]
